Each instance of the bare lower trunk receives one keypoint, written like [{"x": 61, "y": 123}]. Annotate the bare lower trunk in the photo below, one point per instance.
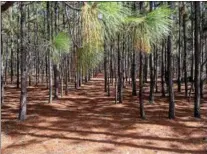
[
  {"x": 142, "y": 113},
  {"x": 56, "y": 80},
  {"x": 170, "y": 76},
  {"x": 152, "y": 82},
  {"x": 50, "y": 80},
  {"x": 197, "y": 60},
  {"x": 23, "y": 97}
]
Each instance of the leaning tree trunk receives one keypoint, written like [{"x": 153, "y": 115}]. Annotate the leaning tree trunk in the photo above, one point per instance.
[
  {"x": 23, "y": 98},
  {"x": 197, "y": 60}
]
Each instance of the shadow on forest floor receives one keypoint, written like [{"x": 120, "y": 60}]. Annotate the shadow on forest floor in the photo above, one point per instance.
[{"x": 88, "y": 121}]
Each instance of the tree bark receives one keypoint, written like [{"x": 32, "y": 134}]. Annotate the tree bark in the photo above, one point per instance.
[
  {"x": 170, "y": 79},
  {"x": 162, "y": 70},
  {"x": 49, "y": 53},
  {"x": 133, "y": 75},
  {"x": 197, "y": 60},
  {"x": 179, "y": 53},
  {"x": 23, "y": 98},
  {"x": 142, "y": 112},
  {"x": 184, "y": 50},
  {"x": 119, "y": 72},
  {"x": 6, "y": 6}
]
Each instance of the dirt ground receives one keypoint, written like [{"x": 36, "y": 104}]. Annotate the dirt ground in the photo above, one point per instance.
[{"x": 87, "y": 121}]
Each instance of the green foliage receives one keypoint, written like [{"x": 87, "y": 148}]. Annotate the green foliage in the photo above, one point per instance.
[
  {"x": 113, "y": 16},
  {"x": 150, "y": 28},
  {"x": 88, "y": 59},
  {"x": 100, "y": 21},
  {"x": 61, "y": 44}
]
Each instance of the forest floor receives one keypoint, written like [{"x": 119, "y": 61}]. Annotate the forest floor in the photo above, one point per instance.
[{"x": 87, "y": 121}]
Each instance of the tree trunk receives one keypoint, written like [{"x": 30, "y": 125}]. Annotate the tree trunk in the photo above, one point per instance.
[
  {"x": 119, "y": 72},
  {"x": 56, "y": 80},
  {"x": 2, "y": 70},
  {"x": 162, "y": 70},
  {"x": 197, "y": 60},
  {"x": 142, "y": 113},
  {"x": 151, "y": 98},
  {"x": 133, "y": 75},
  {"x": 156, "y": 60},
  {"x": 66, "y": 74},
  {"x": 179, "y": 53},
  {"x": 23, "y": 98},
  {"x": 49, "y": 53},
  {"x": 108, "y": 71},
  {"x": 146, "y": 68},
  {"x": 11, "y": 60},
  {"x": 105, "y": 69},
  {"x": 152, "y": 75},
  {"x": 170, "y": 79},
  {"x": 18, "y": 20},
  {"x": 185, "y": 53}
]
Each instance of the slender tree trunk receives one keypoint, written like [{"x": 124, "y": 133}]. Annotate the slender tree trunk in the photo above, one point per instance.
[
  {"x": 152, "y": 75},
  {"x": 197, "y": 60},
  {"x": 123, "y": 63},
  {"x": 49, "y": 53},
  {"x": 2, "y": 70},
  {"x": 6, "y": 62},
  {"x": 66, "y": 74},
  {"x": 108, "y": 81},
  {"x": 162, "y": 71},
  {"x": 105, "y": 69},
  {"x": 133, "y": 75},
  {"x": 179, "y": 53},
  {"x": 23, "y": 98},
  {"x": 156, "y": 59},
  {"x": 17, "y": 84},
  {"x": 146, "y": 68},
  {"x": 119, "y": 72},
  {"x": 202, "y": 53},
  {"x": 56, "y": 66},
  {"x": 116, "y": 89},
  {"x": 151, "y": 98},
  {"x": 142, "y": 112},
  {"x": 170, "y": 79},
  {"x": 185, "y": 52},
  {"x": 62, "y": 83},
  {"x": 28, "y": 31},
  {"x": 11, "y": 61},
  {"x": 56, "y": 81}
]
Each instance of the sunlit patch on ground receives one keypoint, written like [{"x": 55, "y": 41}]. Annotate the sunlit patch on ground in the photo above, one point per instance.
[{"x": 87, "y": 121}]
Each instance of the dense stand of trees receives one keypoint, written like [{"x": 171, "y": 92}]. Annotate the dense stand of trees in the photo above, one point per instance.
[{"x": 50, "y": 43}]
